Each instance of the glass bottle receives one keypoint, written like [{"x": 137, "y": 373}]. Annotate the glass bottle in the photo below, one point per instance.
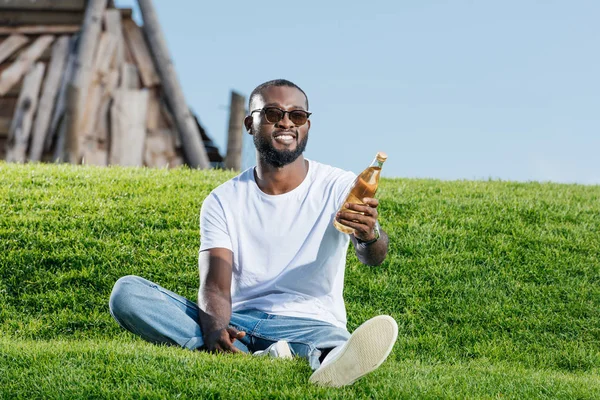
[{"x": 365, "y": 185}]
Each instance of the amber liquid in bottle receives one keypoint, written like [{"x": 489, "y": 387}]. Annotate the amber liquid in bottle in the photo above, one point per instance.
[{"x": 365, "y": 185}]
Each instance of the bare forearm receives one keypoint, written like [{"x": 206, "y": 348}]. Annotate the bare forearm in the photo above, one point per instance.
[
  {"x": 215, "y": 310},
  {"x": 374, "y": 253}
]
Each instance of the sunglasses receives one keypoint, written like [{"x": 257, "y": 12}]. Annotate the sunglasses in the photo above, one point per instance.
[{"x": 274, "y": 115}]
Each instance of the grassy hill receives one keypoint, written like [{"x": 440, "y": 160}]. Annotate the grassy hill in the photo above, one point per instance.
[{"x": 495, "y": 287}]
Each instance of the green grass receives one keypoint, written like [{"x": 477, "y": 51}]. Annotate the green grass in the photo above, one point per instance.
[{"x": 495, "y": 287}]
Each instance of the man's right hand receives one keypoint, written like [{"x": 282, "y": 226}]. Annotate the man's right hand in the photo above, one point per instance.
[{"x": 221, "y": 341}]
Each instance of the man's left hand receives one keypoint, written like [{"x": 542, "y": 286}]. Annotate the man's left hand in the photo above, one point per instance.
[{"x": 363, "y": 220}]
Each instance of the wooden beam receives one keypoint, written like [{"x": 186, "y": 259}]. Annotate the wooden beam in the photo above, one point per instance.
[
  {"x": 139, "y": 48},
  {"x": 112, "y": 25},
  {"x": 40, "y": 29},
  {"x": 82, "y": 74},
  {"x": 20, "y": 128},
  {"x": 56, "y": 69},
  {"x": 4, "y": 126},
  {"x": 27, "y": 17},
  {"x": 64, "y": 5},
  {"x": 186, "y": 125},
  {"x": 59, "y": 108},
  {"x": 237, "y": 111},
  {"x": 128, "y": 127},
  {"x": 10, "y": 45},
  {"x": 15, "y": 72}
]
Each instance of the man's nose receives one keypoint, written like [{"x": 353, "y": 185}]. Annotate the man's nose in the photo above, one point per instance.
[{"x": 285, "y": 122}]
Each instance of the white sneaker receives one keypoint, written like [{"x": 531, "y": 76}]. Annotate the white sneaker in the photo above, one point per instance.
[
  {"x": 367, "y": 349},
  {"x": 279, "y": 349}
]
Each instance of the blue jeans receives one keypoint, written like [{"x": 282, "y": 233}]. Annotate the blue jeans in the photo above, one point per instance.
[{"x": 161, "y": 316}]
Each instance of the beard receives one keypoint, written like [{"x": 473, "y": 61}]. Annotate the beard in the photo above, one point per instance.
[{"x": 277, "y": 158}]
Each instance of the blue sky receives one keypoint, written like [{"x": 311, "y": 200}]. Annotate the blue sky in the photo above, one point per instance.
[{"x": 449, "y": 89}]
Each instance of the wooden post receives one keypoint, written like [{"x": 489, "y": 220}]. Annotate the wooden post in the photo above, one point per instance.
[
  {"x": 237, "y": 111},
  {"x": 56, "y": 68},
  {"x": 18, "y": 136},
  {"x": 190, "y": 136},
  {"x": 15, "y": 72},
  {"x": 10, "y": 45},
  {"x": 82, "y": 74}
]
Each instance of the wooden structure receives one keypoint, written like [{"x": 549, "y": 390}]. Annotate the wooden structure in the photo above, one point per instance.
[{"x": 80, "y": 82}]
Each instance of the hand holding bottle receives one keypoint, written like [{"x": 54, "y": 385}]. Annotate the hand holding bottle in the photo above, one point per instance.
[{"x": 362, "y": 218}]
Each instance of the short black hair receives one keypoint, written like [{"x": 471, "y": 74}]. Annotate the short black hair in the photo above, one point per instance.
[{"x": 274, "y": 83}]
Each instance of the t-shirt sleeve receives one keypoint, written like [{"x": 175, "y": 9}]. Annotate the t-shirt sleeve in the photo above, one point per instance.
[{"x": 213, "y": 225}]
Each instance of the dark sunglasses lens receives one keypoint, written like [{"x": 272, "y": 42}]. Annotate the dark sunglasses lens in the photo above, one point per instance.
[
  {"x": 298, "y": 117},
  {"x": 273, "y": 115}
]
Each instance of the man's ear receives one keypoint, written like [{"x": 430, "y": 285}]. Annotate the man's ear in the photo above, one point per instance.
[{"x": 248, "y": 123}]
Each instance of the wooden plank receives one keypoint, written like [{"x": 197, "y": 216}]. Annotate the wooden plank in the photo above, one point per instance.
[
  {"x": 102, "y": 121},
  {"x": 26, "y": 17},
  {"x": 193, "y": 146},
  {"x": 82, "y": 75},
  {"x": 45, "y": 56},
  {"x": 112, "y": 25},
  {"x": 153, "y": 115},
  {"x": 130, "y": 78},
  {"x": 40, "y": 29},
  {"x": 60, "y": 53},
  {"x": 128, "y": 127},
  {"x": 13, "y": 74},
  {"x": 59, "y": 108},
  {"x": 4, "y": 126},
  {"x": 237, "y": 111},
  {"x": 158, "y": 149},
  {"x": 7, "y": 106},
  {"x": 104, "y": 55},
  {"x": 65, "y": 5},
  {"x": 139, "y": 48},
  {"x": 167, "y": 121},
  {"x": 20, "y": 128},
  {"x": 11, "y": 45}
]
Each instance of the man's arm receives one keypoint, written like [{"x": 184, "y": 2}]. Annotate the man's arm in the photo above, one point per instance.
[
  {"x": 364, "y": 227},
  {"x": 214, "y": 300}
]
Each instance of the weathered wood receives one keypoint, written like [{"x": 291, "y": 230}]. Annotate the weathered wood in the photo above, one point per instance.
[
  {"x": 102, "y": 128},
  {"x": 7, "y": 106},
  {"x": 59, "y": 108},
  {"x": 237, "y": 111},
  {"x": 153, "y": 114},
  {"x": 167, "y": 121},
  {"x": 143, "y": 59},
  {"x": 40, "y": 29},
  {"x": 129, "y": 77},
  {"x": 15, "y": 72},
  {"x": 128, "y": 127},
  {"x": 4, "y": 126},
  {"x": 10, "y": 45},
  {"x": 65, "y": 5},
  {"x": 28, "y": 17},
  {"x": 190, "y": 135},
  {"x": 82, "y": 74},
  {"x": 104, "y": 55},
  {"x": 20, "y": 128},
  {"x": 112, "y": 25},
  {"x": 60, "y": 53},
  {"x": 45, "y": 56}
]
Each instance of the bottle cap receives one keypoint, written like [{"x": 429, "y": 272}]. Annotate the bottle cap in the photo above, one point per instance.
[{"x": 381, "y": 156}]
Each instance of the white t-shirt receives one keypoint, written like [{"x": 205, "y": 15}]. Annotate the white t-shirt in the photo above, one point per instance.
[{"x": 288, "y": 258}]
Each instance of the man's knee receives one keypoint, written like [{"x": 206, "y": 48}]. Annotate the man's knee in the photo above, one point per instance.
[{"x": 120, "y": 302}]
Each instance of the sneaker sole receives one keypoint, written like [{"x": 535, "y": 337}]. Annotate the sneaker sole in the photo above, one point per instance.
[{"x": 367, "y": 349}]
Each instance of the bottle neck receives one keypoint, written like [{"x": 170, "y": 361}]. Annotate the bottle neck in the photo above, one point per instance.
[{"x": 376, "y": 163}]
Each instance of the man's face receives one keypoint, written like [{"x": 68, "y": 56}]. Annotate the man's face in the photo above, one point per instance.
[{"x": 279, "y": 143}]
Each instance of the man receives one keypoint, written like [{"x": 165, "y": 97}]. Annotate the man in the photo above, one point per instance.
[{"x": 271, "y": 262}]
